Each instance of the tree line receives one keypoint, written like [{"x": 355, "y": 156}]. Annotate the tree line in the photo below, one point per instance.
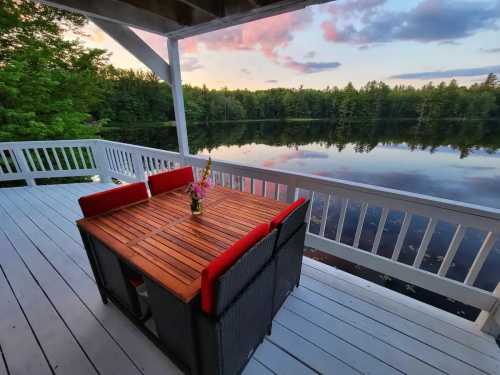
[{"x": 53, "y": 88}]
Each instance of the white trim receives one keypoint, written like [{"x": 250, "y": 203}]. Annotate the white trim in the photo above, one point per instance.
[
  {"x": 489, "y": 322},
  {"x": 177, "y": 96},
  {"x": 472, "y": 296}
]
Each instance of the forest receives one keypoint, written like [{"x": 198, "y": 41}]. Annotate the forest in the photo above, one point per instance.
[
  {"x": 52, "y": 87},
  {"x": 374, "y": 100}
]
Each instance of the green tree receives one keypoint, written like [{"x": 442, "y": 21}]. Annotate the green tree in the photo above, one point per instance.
[{"x": 48, "y": 85}]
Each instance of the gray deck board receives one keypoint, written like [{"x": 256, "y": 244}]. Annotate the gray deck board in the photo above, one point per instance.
[
  {"x": 17, "y": 340},
  {"x": 333, "y": 323},
  {"x": 59, "y": 345}
]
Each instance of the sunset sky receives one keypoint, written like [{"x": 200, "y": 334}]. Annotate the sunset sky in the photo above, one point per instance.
[{"x": 396, "y": 41}]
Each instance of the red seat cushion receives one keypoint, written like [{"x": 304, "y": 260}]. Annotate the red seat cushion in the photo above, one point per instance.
[
  {"x": 278, "y": 219},
  {"x": 165, "y": 181},
  {"x": 223, "y": 262},
  {"x": 104, "y": 201}
]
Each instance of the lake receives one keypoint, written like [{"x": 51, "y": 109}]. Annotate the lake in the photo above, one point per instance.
[{"x": 455, "y": 160}]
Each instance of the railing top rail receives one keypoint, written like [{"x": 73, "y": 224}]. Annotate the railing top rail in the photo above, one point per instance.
[
  {"x": 325, "y": 184},
  {"x": 41, "y": 144},
  {"x": 305, "y": 181},
  {"x": 172, "y": 154}
]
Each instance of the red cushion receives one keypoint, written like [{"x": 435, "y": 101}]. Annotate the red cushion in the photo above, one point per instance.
[
  {"x": 278, "y": 219},
  {"x": 223, "y": 262},
  {"x": 104, "y": 201},
  {"x": 165, "y": 181}
]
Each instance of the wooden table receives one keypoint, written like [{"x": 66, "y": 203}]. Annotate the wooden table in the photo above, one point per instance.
[{"x": 162, "y": 239}]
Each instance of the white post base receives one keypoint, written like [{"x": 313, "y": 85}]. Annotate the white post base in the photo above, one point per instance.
[{"x": 489, "y": 322}]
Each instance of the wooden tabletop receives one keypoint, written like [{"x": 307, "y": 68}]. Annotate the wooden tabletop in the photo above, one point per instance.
[{"x": 164, "y": 240}]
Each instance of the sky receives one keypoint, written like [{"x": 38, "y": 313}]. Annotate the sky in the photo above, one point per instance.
[{"x": 407, "y": 42}]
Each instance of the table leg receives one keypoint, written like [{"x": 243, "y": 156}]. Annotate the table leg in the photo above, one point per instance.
[{"x": 87, "y": 243}]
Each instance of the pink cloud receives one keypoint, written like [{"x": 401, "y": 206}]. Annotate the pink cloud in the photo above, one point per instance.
[
  {"x": 298, "y": 155},
  {"x": 266, "y": 35},
  {"x": 329, "y": 31}
]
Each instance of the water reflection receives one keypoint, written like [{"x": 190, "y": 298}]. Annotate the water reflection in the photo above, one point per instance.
[{"x": 453, "y": 160}]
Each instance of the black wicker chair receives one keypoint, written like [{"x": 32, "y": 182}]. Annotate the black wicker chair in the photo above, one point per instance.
[
  {"x": 242, "y": 311},
  {"x": 289, "y": 250},
  {"x": 113, "y": 277}
]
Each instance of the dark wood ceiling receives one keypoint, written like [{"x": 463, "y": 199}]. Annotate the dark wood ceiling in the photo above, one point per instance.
[{"x": 181, "y": 18}]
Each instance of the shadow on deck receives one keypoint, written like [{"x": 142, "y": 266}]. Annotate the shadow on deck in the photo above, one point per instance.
[{"x": 52, "y": 319}]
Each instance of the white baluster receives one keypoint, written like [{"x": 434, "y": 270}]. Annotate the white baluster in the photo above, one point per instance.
[
  {"x": 452, "y": 250},
  {"x": 359, "y": 228},
  {"x": 309, "y": 211},
  {"x": 324, "y": 216},
  {"x": 429, "y": 231},
  {"x": 380, "y": 230},
  {"x": 5, "y": 161},
  {"x": 39, "y": 159},
  {"x": 51, "y": 166},
  {"x": 481, "y": 257},
  {"x": 340, "y": 226},
  {"x": 80, "y": 153},
  {"x": 56, "y": 157},
  {"x": 73, "y": 157},
  {"x": 65, "y": 157},
  {"x": 401, "y": 236}
]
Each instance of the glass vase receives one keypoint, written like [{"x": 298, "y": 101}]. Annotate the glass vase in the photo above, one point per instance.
[{"x": 196, "y": 206}]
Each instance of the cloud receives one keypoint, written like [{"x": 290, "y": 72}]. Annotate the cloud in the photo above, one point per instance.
[
  {"x": 490, "y": 50},
  {"x": 366, "y": 22},
  {"x": 272, "y": 81},
  {"x": 266, "y": 35},
  {"x": 310, "y": 67},
  {"x": 296, "y": 155},
  {"x": 190, "y": 64},
  {"x": 470, "y": 72}
]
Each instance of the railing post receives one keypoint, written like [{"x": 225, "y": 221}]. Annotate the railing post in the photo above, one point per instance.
[
  {"x": 23, "y": 165},
  {"x": 291, "y": 190},
  {"x": 489, "y": 321},
  {"x": 101, "y": 161},
  {"x": 140, "y": 173}
]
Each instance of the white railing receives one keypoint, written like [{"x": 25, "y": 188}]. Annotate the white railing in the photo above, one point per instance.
[
  {"x": 47, "y": 159},
  {"x": 32, "y": 160}
]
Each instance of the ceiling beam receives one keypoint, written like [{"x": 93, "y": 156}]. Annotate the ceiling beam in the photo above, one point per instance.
[
  {"x": 178, "y": 10},
  {"x": 214, "y": 8},
  {"x": 118, "y": 11},
  {"x": 136, "y": 46},
  {"x": 243, "y": 16}
]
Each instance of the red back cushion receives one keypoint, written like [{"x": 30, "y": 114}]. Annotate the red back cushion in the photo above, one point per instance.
[
  {"x": 165, "y": 181},
  {"x": 103, "y": 201},
  {"x": 223, "y": 262},
  {"x": 278, "y": 219}
]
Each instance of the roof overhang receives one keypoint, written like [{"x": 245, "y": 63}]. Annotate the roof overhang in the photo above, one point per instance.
[{"x": 179, "y": 19}]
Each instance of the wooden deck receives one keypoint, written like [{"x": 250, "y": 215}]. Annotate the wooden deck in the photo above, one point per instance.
[{"x": 52, "y": 320}]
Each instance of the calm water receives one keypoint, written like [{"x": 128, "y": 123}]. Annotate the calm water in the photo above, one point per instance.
[{"x": 454, "y": 160}]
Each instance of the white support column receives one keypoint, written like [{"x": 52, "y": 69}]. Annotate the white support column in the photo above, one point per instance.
[
  {"x": 177, "y": 96},
  {"x": 489, "y": 322}
]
